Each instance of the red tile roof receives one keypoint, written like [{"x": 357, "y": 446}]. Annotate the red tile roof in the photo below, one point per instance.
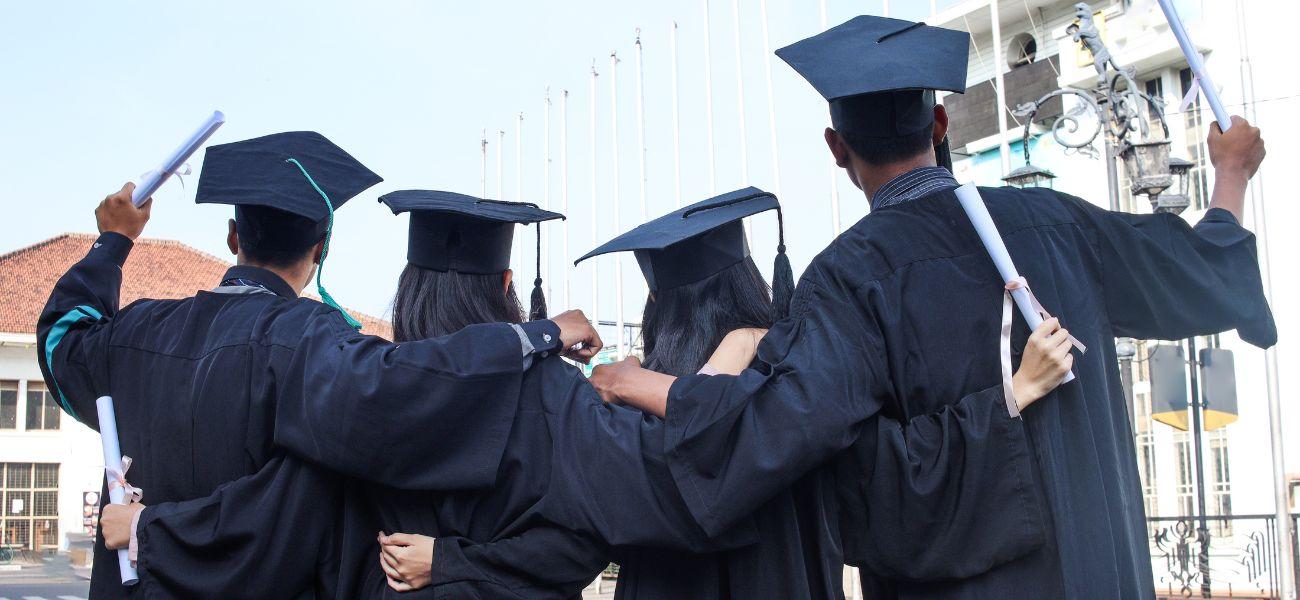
[{"x": 155, "y": 269}]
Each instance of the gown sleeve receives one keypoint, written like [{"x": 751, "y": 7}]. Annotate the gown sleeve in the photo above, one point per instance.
[
  {"x": 1165, "y": 279},
  {"x": 948, "y": 495},
  {"x": 267, "y": 535},
  {"x": 541, "y": 562},
  {"x": 426, "y": 415},
  {"x": 73, "y": 331},
  {"x": 819, "y": 387}
]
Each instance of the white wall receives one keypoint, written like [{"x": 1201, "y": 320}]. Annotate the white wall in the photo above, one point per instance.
[{"x": 74, "y": 446}]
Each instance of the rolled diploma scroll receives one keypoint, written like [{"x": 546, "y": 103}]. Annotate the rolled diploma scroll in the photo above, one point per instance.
[
  {"x": 978, "y": 214},
  {"x": 155, "y": 178},
  {"x": 1197, "y": 64},
  {"x": 113, "y": 460}
]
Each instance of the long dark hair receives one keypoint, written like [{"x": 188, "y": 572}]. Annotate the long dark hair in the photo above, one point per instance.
[
  {"x": 432, "y": 303},
  {"x": 682, "y": 326}
]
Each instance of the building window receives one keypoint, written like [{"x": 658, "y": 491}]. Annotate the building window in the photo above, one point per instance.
[
  {"x": 30, "y": 517},
  {"x": 1220, "y": 482},
  {"x": 42, "y": 409},
  {"x": 1022, "y": 51},
  {"x": 8, "y": 404},
  {"x": 1186, "y": 485},
  {"x": 1194, "y": 126}
]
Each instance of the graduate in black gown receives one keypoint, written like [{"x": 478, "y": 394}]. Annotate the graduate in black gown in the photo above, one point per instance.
[
  {"x": 544, "y": 529},
  {"x": 703, "y": 285},
  {"x": 901, "y": 312},
  {"x": 242, "y": 379}
]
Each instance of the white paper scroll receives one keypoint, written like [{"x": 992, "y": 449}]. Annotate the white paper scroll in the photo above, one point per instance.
[
  {"x": 978, "y": 213},
  {"x": 113, "y": 461},
  {"x": 1197, "y": 65},
  {"x": 155, "y": 178}
]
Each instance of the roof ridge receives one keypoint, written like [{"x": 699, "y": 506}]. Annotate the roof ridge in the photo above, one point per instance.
[{"x": 36, "y": 246}]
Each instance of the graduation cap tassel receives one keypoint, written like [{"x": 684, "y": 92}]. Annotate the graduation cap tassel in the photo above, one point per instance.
[
  {"x": 329, "y": 231},
  {"x": 782, "y": 274},
  {"x": 537, "y": 304}
]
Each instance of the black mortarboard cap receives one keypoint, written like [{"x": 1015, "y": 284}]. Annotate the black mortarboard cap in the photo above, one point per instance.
[
  {"x": 456, "y": 232},
  {"x": 297, "y": 172},
  {"x": 879, "y": 74},
  {"x": 701, "y": 240}
]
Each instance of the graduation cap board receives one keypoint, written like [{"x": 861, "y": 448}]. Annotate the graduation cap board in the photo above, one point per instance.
[
  {"x": 879, "y": 74},
  {"x": 456, "y": 232},
  {"x": 695, "y": 242},
  {"x": 300, "y": 173}
]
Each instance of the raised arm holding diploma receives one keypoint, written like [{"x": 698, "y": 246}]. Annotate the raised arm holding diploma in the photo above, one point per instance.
[
  {"x": 155, "y": 178},
  {"x": 1197, "y": 64}
]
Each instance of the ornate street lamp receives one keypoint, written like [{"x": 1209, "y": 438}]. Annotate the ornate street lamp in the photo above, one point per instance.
[
  {"x": 1030, "y": 176},
  {"x": 1147, "y": 166},
  {"x": 1180, "y": 169}
]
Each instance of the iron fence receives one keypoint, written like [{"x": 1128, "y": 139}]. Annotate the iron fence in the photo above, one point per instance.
[{"x": 1244, "y": 556}]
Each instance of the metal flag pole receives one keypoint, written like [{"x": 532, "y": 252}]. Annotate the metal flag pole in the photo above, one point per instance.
[
  {"x": 640, "y": 124},
  {"x": 643, "y": 289},
  {"x": 482, "y": 171},
  {"x": 618, "y": 211},
  {"x": 546, "y": 189},
  {"x": 740, "y": 108},
  {"x": 564, "y": 194},
  {"x": 771, "y": 102},
  {"x": 501, "y": 142},
  {"x": 677, "y": 127},
  {"x": 708, "y": 102},
  {"x": 831, "y": 167},
  {"x": 519, "y": 189},
  {"x": 595, "y": 202}
]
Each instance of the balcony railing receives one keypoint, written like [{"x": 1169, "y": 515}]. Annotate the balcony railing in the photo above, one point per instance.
[{"x": 1245, "y": 556}]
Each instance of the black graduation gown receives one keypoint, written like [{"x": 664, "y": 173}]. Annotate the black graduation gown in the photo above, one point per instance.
[
  {"x": 797, "y": 556},
  {"x": 213, "y": 388},
  {"x": 899, "y": 317},
  {"x": 572, "y": 466}
]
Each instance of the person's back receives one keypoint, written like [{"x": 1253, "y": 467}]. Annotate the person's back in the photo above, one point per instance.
[
  {"x": 1083, "y": 263},
  {"x": 224, "y": 386},
  {"x": 538, "y": 531}
]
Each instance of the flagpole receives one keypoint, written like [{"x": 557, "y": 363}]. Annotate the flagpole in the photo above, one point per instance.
[
  {"x": 771, "y": 103},
  {"x": 482, "y": 171},
  {"x": 519, "y": 189},
  {"x": 595, "y": 202},
  {"x": 831, "y": 167},
  {"x": 708, "y": 102},
  {"x": 501, "y": 142},
  {"x": 740, "y": 108},
  {"x": 643, "y": 289},
  {"x": 564, "y": 195},
  {"x": 677, "y": 127},
  {"x": 546, "y": 189},
  {"x": 640, "y": 124},
  {"x": 618, "y": 211}
]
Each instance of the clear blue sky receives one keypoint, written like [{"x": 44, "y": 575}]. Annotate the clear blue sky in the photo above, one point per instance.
[{"x": 96, "y": 95}]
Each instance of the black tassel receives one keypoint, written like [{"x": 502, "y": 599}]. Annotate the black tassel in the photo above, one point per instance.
[
  {"x": 943, "y": 154},
  {"x": 537, "y": 304},
  {"x": 782, "y": 275}
]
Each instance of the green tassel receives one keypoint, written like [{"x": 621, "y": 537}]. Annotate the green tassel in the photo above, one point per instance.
[{"x": 325, "y": 251}]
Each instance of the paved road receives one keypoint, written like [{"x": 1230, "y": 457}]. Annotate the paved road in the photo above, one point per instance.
[{"x": 51, "y": 580}]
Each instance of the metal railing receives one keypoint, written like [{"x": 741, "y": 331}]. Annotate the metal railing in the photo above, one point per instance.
[{"x": 1244, "y": 557}]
